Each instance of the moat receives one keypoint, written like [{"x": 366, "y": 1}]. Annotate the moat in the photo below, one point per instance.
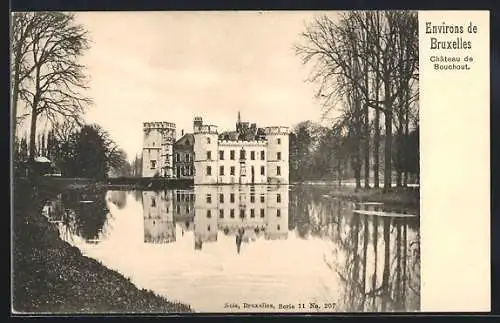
[{"x": 211, "y": 246}]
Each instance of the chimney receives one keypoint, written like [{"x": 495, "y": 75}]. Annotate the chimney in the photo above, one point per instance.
[{"x": 182, "y": 132}]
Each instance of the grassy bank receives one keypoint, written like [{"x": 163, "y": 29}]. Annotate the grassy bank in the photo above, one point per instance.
[{"x": 52, "y": 276}]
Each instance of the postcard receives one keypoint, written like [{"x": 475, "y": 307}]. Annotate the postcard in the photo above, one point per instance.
[{"x": 250, "y": 162}]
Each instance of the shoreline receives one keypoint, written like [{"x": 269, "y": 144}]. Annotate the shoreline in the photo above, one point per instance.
[{"x": 51, "y": 276}]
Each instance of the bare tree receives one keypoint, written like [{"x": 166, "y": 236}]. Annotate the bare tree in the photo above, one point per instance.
[
  {"x": 356, "y": 56},
  {"x": 48, "y": 79}
]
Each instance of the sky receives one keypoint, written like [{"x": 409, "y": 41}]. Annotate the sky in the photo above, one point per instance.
[{"x": 173, "y": 66}]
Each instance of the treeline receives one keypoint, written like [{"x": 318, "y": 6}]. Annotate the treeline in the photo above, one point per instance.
[
  {"x": 315, "y": 154},
  {"x": 86, "y": 152},
  {"x": 365, "y": 64}
]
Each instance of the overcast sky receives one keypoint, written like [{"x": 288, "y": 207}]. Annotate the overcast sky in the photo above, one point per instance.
[{"x": 172, "y": 66}]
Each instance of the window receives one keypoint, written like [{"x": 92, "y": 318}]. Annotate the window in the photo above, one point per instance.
[
  {"x": 209, "y": 170},
  {"x": 279, "y": 141},
  {"x": 252, "y": 198},
  {"x": 278, "y": 156},
  {"x": 178, "y": 171},
  {"x": 278, "y": 213},
  {"x": 221, "y": 154},
  {"x": 252, "y": 155},
  {"x": 187, "y": 208},
  {"x": 262, "y": 155},
  {"x": 231, "y": 198},
  {"x": 278, "y": 170},
  {"x": 231, "y": 154},
  {"x": 178, "y": 209},
  {"x": 262, "y": 198},
  {"x": 178, "y": 196},
  {"x": 277, "y": 227},
  {"x": 153, "y": 164},
  {"x": 221, "y": 213},
  {"x": 177, "y": 157},
  {"x": 252, "y": 213},
  {"x": 242, "y": 154},
  {"x": 221, "y": 171},
  {"x": 278, "y": 198},
  {"x": 186, "y": 157},
  {"x": 231, "y": 213},
  {"x": 232, "y": 170},
  {"x": 209, "y": 155},
  {"x": 242, "y": 213},
  {"x": 208, "y": 140},
  {"x": 208, "y": 228},
  {"x": 153, "y": 202},
  {"x": 209, "y": 214},
  {"x": 262, "y": 170},
  {"x": 209, "y": 198},
  {"x": 261, "y": 213},
  {"x": 153, "y": 143},
  {"x": 221, "y": 198}
]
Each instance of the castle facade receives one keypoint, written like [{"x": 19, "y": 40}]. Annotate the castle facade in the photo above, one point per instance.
[{"x": 248, "y": 155}]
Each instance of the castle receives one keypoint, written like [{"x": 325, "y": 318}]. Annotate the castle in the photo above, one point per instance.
[{"x": 249, "y": 155}]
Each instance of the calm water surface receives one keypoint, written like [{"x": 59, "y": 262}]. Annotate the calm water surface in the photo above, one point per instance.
[{"x": 216, "y": 245}]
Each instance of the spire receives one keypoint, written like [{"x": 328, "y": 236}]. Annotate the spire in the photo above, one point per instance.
[{"x": 239, "y": 117}]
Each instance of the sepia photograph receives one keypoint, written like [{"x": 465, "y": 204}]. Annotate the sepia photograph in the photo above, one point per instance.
[{"x": 215, "y": 162}]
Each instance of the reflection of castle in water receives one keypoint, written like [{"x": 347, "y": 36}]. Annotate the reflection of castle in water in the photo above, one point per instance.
[
  {"x": 159, "y": 226},
  {"x": 247, "y": 212}
]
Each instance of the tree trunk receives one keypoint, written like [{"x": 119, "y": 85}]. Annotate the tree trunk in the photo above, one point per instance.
[
  {"x": 388, "y": 149},
  {"x": 406, "y": 150},
  {"x": 399, "y": 157},
  {"x": 367, "y": 145},
  {"x": 339, "y": 172},
  {"x": 376, "y": 151},
  {"x": 32, "y": 143},
  {"x": 16, "y": 83}
]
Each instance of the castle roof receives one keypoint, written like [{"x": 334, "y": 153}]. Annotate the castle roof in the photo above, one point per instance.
[{"x": 185, "y": 141}]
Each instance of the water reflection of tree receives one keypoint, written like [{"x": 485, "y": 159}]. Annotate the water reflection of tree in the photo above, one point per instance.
[
  {"x": 299, "y": 211},
  {"x": 138, "y": 195},
  {"x": 396, "y": 290},
  {"x": 118, "y": 198},
  {"x": 311, "y": 213},
  {"x": 85, "y": 213},
  {"x": 376, "y": 258}
]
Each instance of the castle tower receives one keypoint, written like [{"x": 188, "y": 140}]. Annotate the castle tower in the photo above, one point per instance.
[
  {"x": 205, "y": 153},
  {"x": 277, "y": 154},
  {"x": 197, "y": 123},
  {"x": 157, "y": 150}
]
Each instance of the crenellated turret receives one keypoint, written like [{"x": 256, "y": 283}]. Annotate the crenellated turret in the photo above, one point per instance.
[{"x": 157, "y": 151}]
